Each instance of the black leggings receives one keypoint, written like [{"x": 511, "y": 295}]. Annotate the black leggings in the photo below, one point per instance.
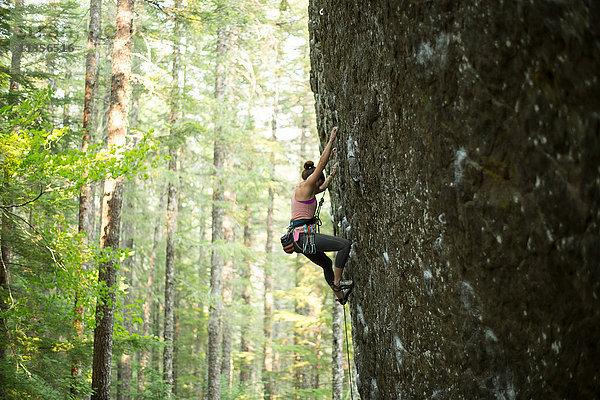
[{"x": 326, "y": 243}]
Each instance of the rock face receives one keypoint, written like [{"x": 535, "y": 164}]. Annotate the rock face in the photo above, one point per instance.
[{"x": 469, "y": 185}]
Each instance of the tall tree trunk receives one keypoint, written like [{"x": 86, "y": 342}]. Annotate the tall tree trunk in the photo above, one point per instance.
[
  {"x": 200, "y": 339},
  {"x": 227, "y": 296},
  {"x": 268, "y": 307},
  {"x": 65, "y": 116},
  {"x": 268, "y": 296},
  {"x": 170, "y": 277},
  {"x": 171, "y": 217},
  {"x": 227, "y": 336},
  {"x": 268, "y": 279},
  {"x": 147, "y": 308},
  {"x": 298, "y": 381},
  {"x": 119, "y": 378},
  {"x": 101, "y": 132},
  {"x": 85, "y": 195},
  {"x": 112, "y": 201},
  {"x": 337, "y": 353},
  {"x": 157, "y": 332},
  {"x": 136, "y": 91},
  {"x": 216, "y": 271},
  {"x": 315, "y": 371},
  {"x": 16, "y": 52},
  {"x": 175, "y": 345},
  {"x": 5, "y": 300},
  {"x": 126, "y": 371},
  {"x": 245, "y": 346},
  {"x": 177, "y": 294}
]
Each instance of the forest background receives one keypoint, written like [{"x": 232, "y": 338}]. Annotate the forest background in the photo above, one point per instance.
[{"x": 220, "y": 117}]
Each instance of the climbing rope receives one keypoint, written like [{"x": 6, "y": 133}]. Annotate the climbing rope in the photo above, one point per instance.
[{"x": 348, "y": 353}]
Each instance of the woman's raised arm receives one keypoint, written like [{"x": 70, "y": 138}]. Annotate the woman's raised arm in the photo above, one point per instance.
[{"x": 314, "y": 177}]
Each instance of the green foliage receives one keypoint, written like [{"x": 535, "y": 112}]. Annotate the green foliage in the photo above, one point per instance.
[
  {"x": 156, "y": 388},
  {"x": 40, "y": 156},
  {"x": 41, "y": 173},
  {"x": 44, "y": 286},
  {"x": 36, "y": 153}
]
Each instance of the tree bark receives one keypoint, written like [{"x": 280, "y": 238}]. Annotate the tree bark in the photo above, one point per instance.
[
  {"x": 170, "y": 278},
  {"x": 157, "y": 332},
  {"x": 337, "y": 353},
  {"x": 177, "y": 294},
  {"x": 227, "y": 336},
  {"x": 112, "y": 202},
  {"x": 136, "y": 91},
  {"x": 175, "y": 345},
  {"x": 171, "y": 217},
  {"x": 216, "y": 273},
  {"x": 245, "y": 345},
  {"x": 228, "y": 269},
  {"x": 5, "y": 300},
  {"x": 89, "y": 105},
  {"x": 200, "y": 339},
  {"x": 126, "y": 375},
  {"x": 16, "y": 53},
  {"x": 119, "y": 394}
]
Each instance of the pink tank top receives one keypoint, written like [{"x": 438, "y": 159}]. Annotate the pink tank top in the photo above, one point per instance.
[{"x": 303, "y": 209}]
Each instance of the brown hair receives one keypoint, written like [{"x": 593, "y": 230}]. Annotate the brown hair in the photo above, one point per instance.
[{"x": 309, "y": 168}]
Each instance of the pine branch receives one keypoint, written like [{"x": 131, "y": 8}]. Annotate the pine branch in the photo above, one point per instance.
[
  {"x": 169, "y": 13},
  {"x": 45, "y": 243},
  {"x": 8, "y": 207}
]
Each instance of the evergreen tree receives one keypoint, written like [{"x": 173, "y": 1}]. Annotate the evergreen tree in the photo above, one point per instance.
[
  {"x": 112, "y": 202},
  {"x": 172, "y": 200},
  {"x": 216, "y": 279}
]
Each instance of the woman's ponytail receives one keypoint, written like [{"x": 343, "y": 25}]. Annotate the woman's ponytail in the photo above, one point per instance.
[{"x": 309, "y": 168}]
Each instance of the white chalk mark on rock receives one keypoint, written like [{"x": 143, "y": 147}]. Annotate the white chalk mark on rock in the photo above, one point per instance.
[{"x": 459, "y": 161}]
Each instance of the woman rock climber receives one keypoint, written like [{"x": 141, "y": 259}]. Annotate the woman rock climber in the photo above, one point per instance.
[{"x": 304, "y": 204}]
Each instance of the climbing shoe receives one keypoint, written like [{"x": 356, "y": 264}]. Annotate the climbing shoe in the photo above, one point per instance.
[
  {"x": 346, "y": 292},
  {"x": 342, "y": 285}
]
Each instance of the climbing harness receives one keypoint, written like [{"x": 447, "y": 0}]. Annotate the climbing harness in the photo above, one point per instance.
[
  {"x": 348, "y": 353},
  {"x": 287, "y": 240},
  {"x": 309, "y": 246}
]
